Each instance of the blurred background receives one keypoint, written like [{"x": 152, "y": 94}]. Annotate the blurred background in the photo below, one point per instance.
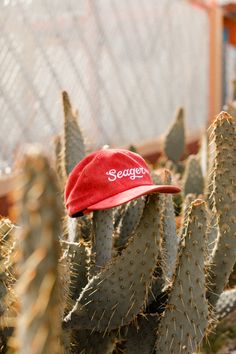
[{"x": 127, "y": 66}]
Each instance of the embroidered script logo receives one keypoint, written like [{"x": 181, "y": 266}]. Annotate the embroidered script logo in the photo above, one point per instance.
[{"x": 132, "y": 173}]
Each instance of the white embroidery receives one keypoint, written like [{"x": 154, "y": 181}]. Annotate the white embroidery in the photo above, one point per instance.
[{"x": 132, "y": 173}]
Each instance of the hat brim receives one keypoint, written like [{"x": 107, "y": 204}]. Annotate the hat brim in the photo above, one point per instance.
[{"x": 130, "y": 194}]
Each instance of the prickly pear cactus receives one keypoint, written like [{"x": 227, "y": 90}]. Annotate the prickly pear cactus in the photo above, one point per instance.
[
  {"x": 170, "y": 241},
  {"x": 78, "y": 255},
  {"x": 141, "y": 337},
  {"x": 94, "y": 342},
  {"x": 74, "y": 149},
  {"x": 38, "y": 324},
  {"x": 184, "y": 213},
  {"x": 102, "y": 238},
  {"x": 193, "y": 181},
  {"x": 129, "y": 221},
  {"x": 59, "y": 163},
  {"x": 185, "y": 319},
  {"x": 116, "y": 295},
  {"x": 118, "y": 280},
  {"x": 175, "y": 138},
  {"x": 224, "y": 197}
]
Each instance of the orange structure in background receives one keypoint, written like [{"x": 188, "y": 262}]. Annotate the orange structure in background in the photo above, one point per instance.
[
  {"x": 215, "y": 15},
  {"x": 230, "y": 25},
  {"x": 221, "y": 19}
]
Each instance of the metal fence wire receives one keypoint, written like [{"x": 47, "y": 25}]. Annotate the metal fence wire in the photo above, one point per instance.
[{"x": 126, "y": 64}]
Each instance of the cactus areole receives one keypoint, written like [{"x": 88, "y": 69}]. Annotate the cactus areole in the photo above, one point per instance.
[{"x": 108, "y": 178}]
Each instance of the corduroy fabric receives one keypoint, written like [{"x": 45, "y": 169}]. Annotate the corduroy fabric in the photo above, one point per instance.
[{"x": 108, "y": 178}]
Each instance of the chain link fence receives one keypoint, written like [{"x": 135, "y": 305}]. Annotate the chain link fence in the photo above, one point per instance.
[
  {"x": 229, "y": 72},
  {"x": 126, "y": 64}
]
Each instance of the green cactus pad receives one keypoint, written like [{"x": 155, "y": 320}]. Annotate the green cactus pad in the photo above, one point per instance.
[
  {"x": 208, "y": 192},
  {"x": 212, "y": 233},
  {"x": 184, "y": 213},
  {"x": 185, "y": 319},
  {"x": 74, "y": 149},
  {"x": 170, "y": 241},
  {"x": 140, "y": 337},
  {"x": 78, "y": 254},
  {"x": 193, "y": 181},
  {"x": 175, "y": 138},
  {"x": 88, "y": 342},
  {"x": 102, "y": 238},
  {"x": 59, "y": 162},
  {"x": 39, "y": 213},
  {"x": 224, "y": 196},
  {"x": 130, "y": 220},
  {"x": 116, "y": 295}
]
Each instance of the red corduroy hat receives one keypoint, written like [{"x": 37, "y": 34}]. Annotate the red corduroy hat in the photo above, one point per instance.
[{"x": 108, "y": 178}]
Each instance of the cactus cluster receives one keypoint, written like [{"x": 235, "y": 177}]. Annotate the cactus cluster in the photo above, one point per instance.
[{"x": 126, "y": 279}]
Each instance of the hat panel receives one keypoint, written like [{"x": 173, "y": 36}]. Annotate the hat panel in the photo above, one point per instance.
[
  {"x": 104, "y": 174},
  {"x": 121, "y": 172},
  {"x": 112, "y": 172},
  {"x": 74, "y": 175}
]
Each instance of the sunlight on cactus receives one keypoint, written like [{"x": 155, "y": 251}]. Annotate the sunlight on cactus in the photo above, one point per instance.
[{"x": 121, "y": 280}]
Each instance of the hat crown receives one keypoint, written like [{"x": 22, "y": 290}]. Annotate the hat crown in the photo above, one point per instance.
[
  {"x": 105, "y": 173},
  {"x": 108, "y": 178}
]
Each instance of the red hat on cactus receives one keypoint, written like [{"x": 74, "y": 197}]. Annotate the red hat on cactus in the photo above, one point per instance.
[{"x": 108, "y": 178}]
